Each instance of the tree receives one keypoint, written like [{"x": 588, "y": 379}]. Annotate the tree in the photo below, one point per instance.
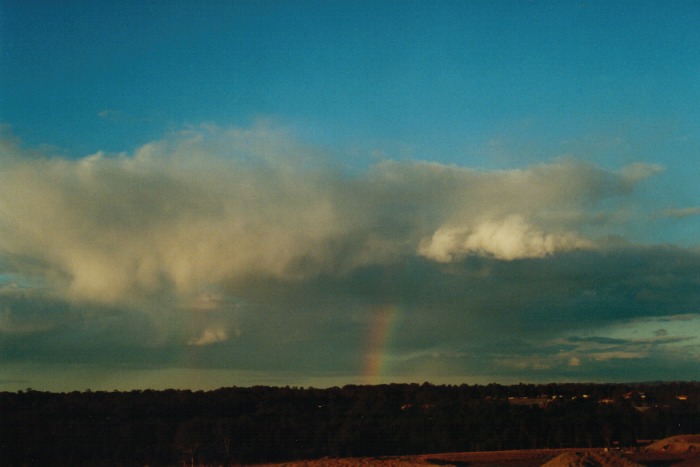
[{"x": 190, "y": 437}]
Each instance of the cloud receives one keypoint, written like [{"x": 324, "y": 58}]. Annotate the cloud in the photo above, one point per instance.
[
  {"x": 210, "y": 336},
  {"x": 108, "y": 228},
  {"x": 508, "y": 239},
  {"x": 590, "y": 358},
  {"x": 14, "y": 324},
  {"x": 682, "y": 212},
  {"x": 108, "y": 113},
  {"x": 218, "y": 207},
  {"x": 215, "y": 206},
  {"x": 244, "y": 248},
  {"x": 638, "y": 171}
]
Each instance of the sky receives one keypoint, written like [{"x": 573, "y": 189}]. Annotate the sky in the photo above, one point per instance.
[{"x": 311, "y": 193}]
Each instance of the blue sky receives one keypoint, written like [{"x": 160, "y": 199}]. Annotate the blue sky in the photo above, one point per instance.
[{"x": 227, "y": 192}]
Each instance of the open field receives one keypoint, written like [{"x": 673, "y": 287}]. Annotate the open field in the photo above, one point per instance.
[
  {"x": 679, "y": 451},
  {"x": 526, "y": 458}
]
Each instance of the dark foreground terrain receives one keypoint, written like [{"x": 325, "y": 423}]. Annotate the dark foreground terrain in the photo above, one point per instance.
[
  {"x": 396, "y": 424},
  {"x": 678, "y": 451}
]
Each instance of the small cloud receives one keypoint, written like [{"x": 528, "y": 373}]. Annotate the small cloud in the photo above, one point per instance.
[
  {"x": 680, "y": 213},
  {"x": 618, "y": 355},
  {"x": 681, "y": 317},
  {"x": 209, "y": 336},
  {"x": 106, "y": 113},
  {"x": 207, "y": 302},
  {"x": 640, "y": 170},
  {"x": 598, "y": 340},
  {"x": 574, "y": 362}
]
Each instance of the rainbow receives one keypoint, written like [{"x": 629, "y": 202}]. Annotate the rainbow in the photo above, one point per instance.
[{"x": 382, "y": 325}]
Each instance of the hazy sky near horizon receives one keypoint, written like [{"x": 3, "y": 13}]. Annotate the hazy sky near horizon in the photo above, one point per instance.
[{"x": 205, "y": 194}]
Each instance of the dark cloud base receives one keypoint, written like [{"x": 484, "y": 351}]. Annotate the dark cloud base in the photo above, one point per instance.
[{"x": 529, "y": 320}]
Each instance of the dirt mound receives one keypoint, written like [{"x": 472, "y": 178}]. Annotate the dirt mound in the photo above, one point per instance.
[
  {"x": 681, "y": 444},
  {"x": 591, "y": 459}
]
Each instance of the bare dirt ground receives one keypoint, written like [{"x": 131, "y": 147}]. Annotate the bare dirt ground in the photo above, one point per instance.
[{"x": 677, "y": 451}]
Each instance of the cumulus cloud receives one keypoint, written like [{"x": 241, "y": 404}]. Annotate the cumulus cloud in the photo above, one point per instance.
[
  {"x": 508, "y": 239},
  {"x": 109, "y": 228},
  {"x": 215, "y": 206},
  {"x": 256, "y": 252}
]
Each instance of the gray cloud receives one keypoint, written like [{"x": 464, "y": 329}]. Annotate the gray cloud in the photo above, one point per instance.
[
  {"x": 682, "y": 212},
  {"x": 245, "y": 249}
]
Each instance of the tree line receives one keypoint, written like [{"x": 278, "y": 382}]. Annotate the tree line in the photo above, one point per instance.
[{"x": 239, "y": 425}]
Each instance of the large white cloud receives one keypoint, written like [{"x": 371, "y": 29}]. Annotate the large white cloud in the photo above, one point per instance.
[{"x": 212, "y": 207}]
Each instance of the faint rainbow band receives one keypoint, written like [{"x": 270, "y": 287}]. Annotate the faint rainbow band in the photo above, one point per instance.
[{"x": 382, "y": 326}]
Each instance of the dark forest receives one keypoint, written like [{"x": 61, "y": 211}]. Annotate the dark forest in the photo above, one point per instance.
[{"x": 268, "y": 424}]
